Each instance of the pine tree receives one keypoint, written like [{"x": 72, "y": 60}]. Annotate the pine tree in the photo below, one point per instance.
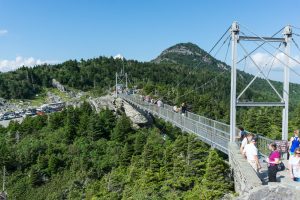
[
  {"x": 122, "y": 129},
  {"x": 216, "y": 177}
]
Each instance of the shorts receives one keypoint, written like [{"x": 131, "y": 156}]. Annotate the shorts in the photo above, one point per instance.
[{"x": 253, "y": 164}]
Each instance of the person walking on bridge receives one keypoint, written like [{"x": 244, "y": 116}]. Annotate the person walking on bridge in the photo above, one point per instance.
[
  {"x": 273, "y": 161},
  {"x": 183, "y": 109},
  {"x": 251, "y": 152},
  {"x": 294, "y": 142}
]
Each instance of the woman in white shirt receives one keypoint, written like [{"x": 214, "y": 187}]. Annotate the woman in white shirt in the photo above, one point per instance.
[{"x": 294, "y": 165}]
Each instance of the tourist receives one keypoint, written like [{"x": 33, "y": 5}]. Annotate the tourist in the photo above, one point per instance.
[
  {"x": 183, "y": 109},
  {"x": 251, "y": 153},
  {"x": 246, "y": 141},
  {"x": 294, "y": 142},
  {"x": 294, "y": 165},
  {"x": 243, "y": 133},
  {"x": 273, "y": 161},
  {"x": 175, "y": 109},
  {"x": 160, "y": 103},
  {"x": 147, "y": 99}
]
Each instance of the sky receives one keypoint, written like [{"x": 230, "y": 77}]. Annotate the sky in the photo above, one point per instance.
[{"x": 34, "y": 32}]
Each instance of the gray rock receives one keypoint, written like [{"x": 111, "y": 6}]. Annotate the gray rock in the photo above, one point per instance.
[
  {"x": 58, "y": 85},
  {"x": 135, "y": 116},
  {"x": 138, "y": 118},
  {"x": 272, "y": 192}
]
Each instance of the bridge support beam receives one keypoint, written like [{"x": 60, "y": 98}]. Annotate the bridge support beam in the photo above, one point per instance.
[
  {"x": 285, "y": 112},
  {"x": 234, "y": 40}
]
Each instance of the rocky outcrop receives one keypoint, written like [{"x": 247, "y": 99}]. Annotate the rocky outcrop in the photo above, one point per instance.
[
  {"x": 58, "y": 85},
  {"x": 103, "y": 102},
  {"x": 52, "y": 98},
  {"x": 137, "y": 117},
  {"x": 276, "y": 191}
]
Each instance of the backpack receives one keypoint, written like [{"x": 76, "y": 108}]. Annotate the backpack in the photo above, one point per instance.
[{"x": 295, "y": 144}]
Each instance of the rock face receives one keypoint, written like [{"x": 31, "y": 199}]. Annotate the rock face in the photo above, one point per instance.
[
  {"x": 52, "y": 98},
  {"x": 103, "y": 102},
  {"x": 189, "y": 54},
  {"x": 138, "y": 118},
  {"x": 276, "y": 192},
  {"x": 177, "y": 52},
  {"x": 57, "y": 85}
]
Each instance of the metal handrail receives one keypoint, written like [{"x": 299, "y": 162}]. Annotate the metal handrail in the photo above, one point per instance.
[
  {"x": 217, "y": 137},
  {"x": 204, "y": 127}
]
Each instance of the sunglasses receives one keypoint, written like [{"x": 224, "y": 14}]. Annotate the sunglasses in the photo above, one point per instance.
[{"x": 297, "y": 153}]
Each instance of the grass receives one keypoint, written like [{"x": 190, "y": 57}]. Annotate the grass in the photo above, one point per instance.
[{"x": 42, "y": 98}]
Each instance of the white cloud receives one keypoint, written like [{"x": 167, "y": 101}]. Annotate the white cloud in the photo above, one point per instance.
[
  {"x": 9, "y": 65},
  {"x": 263, "y": 59},
  {"x": 3, "y": 31}
]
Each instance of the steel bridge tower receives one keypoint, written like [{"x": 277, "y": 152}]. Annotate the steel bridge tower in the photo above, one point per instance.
[{"x": 284, "y": 99}]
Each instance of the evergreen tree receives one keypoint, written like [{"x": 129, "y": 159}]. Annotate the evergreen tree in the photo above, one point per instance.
[
  {"x": 216, "y": 178},
  {"x": 122, "y": 129}
]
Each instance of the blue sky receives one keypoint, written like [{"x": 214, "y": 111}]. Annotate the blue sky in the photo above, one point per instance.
[{"x": 35, "y": 31}]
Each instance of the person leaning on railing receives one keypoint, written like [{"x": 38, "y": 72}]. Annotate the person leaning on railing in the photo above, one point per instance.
[
  {"x": 251, "y": 152},
  {"x": 246, "y": 141}
]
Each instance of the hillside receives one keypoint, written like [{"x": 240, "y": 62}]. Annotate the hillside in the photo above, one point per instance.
[
  {"x": 182, "y": 73},
  {"x": 80, "y": 154}
]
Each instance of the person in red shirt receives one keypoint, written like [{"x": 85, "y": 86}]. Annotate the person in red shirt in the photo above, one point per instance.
[{"x": 273, "y": 161}]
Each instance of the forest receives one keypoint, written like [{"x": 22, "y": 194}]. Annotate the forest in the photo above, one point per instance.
[
  {"x": 205, "y": 87},
  {"x": 81, "y": 154}
]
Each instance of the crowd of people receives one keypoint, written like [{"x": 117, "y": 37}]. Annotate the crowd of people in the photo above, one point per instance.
[
  {"x": 178, "y": 109},
  {"x": 250, "y": 152}
]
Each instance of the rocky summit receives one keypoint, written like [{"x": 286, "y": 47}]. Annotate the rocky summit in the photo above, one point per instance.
[{"x": 188, "y": 54}]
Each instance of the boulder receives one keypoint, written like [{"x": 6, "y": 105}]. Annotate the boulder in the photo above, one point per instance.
[{"x": 273, "y": 191}]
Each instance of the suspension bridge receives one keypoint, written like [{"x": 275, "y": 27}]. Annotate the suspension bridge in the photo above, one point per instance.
[{"x": 220, "y": 135}]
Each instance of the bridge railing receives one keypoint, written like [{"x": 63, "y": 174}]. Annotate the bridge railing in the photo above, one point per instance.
[
  {"x": 210, "y": 131},
  {"x": 263, "y": 145}
]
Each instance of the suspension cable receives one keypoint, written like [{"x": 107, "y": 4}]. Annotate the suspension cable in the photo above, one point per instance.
[
  {"x": 281, "y": 60},
  {"x": 260, "y": 45},
  {"x": 222, "y": 45},
  {"x": 225, "y": 59},
  {"x": 295, "y": 44},
  {"x": 296, "y": 27},
  {"x": 273, "y": 61},
  {"x": 211, "y": 80},
  {"x": 270, "y": 44},
  {"x": 206, "y": 55},
  {"x": 262, "y": 72}
]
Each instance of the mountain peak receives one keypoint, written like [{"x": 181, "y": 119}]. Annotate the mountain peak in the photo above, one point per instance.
[
  {"x": 189, "y": 50},
  {"x": 187, "y": 54}
]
